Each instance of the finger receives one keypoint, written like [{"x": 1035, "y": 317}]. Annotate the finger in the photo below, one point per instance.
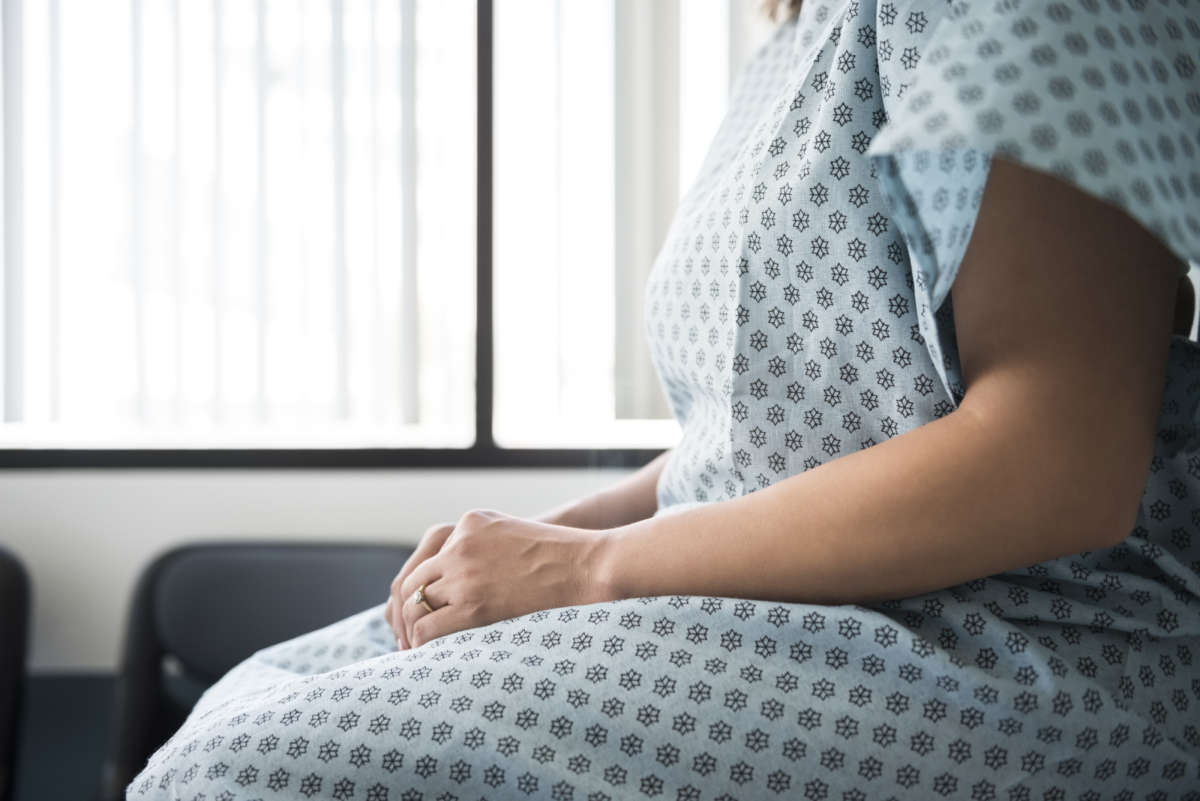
[
  {"x": 392, "y": 616},
  {"x": 391, "y": 612},
  {"x": 431, "y": 542},
  {"x": 425, "y": 573},
  {"x": 443, "y": 620},
  {"x": 411, "y": 612}
]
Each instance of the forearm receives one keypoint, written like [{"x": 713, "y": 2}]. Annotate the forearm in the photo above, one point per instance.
[
  {"x": 954, "y": 499},
  {"x": 632, "y": 498}
]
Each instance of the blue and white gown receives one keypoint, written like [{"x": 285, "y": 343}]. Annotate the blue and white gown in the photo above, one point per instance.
[{"x": 798, "y": 311}]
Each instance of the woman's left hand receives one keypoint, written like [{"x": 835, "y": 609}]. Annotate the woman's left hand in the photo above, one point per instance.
[{"x": 493, "y": 567}]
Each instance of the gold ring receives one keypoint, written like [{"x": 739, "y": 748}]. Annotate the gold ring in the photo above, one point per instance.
[{"x": 419, "y": 598}]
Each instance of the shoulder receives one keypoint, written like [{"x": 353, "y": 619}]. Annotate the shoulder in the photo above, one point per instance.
[
  {"x": 1102, "y": 95},
  {"x": 904, "y": 33}
]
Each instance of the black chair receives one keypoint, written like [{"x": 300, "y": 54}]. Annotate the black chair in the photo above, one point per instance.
[
  {"x": 199, "y": 610},
  {"x": 14, "y": 636}
]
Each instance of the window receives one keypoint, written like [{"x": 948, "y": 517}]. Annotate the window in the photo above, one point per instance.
[
  {"x": 219, "y": 223},
  {"x": 592, "y": 158},
  {"x": 254, "y": 225}
]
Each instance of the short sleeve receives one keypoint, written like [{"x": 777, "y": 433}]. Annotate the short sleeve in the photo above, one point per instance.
[{"x": 1104, "y": 94}]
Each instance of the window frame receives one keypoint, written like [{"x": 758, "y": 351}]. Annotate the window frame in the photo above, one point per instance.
[{"x": 483, "y": 453}]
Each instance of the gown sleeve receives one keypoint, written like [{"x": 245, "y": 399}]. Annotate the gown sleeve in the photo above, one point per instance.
[{"x": 1105, "y": 95}]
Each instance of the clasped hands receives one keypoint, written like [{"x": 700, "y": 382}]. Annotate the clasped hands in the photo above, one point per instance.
[{"x": 490, "y": 566}]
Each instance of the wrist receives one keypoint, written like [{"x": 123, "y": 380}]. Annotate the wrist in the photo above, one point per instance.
[
  {"x": 566, "y": 514},
  {"x": 607, "y": 561}
]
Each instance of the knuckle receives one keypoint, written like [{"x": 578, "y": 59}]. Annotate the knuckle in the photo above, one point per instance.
[
  {"x": 477, "y": 518},
  {"x": 462, "y": 546},
  {"x": 421, "y": 631},
  {"x": 472, "y": 518},
  {"x": 433, "y": 531},
  {"x": 407, "y": 613}
]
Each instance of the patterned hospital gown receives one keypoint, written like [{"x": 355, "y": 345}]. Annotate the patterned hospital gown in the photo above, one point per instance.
[{"x": 798, "y": 311}]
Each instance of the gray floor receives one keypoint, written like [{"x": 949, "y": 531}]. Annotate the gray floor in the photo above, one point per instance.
[{"x": 64, "y": 727}]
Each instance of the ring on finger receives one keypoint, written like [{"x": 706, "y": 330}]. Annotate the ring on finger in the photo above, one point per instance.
[{"x": 419, "y": 597}]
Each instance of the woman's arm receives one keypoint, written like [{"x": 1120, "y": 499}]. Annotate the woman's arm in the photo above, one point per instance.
[
  {"x": 1063, "y": 315},
  {"x": 1063, "y": 311},
  {"x": 631, "y": 499}
]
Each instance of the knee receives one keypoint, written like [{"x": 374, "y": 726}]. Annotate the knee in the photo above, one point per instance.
[{"x": 192, "y": 765}]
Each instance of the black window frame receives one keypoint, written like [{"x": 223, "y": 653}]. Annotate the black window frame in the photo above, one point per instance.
[{"x": 484, "y": 452}]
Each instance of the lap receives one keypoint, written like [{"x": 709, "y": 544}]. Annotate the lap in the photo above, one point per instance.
[{"x": 685, "y": 697}]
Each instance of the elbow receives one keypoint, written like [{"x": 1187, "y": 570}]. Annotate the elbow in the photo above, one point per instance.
[
  {"x": 1109, "y": 531},
  {"x": 1105, "y": 494},
  {"x": 1118, "y": 517},
  {"x": 1083, "y": 491},
  {"x": 1118, "y": 469},
  {"x": 1100, "y": 498}
]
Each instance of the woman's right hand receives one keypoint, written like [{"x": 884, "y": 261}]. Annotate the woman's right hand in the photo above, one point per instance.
[
  {"x": 431, "y": 542},
  {"x": 630, "y": 499}
]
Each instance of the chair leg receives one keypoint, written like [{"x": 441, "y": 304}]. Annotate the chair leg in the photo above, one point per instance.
[{"x": 14, "y": 638}]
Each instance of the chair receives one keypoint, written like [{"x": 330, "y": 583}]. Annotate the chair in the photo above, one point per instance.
[
  {"x": 14, "y": 634},
  {"x": 199, "y": 610}
]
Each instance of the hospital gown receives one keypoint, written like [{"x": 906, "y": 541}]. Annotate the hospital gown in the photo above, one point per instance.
[{"x": 799, "y": 310}]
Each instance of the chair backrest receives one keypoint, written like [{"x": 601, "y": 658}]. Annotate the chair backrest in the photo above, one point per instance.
[
  {"x": 201, "y": 609},
  {"x": 14, "y": 636}
]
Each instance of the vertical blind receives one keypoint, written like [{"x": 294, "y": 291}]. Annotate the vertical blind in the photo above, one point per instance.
[
  {"x": 217, "y": 203},
  {"x": 252, "y": 222},
  {"x": 604, "y": 110}
]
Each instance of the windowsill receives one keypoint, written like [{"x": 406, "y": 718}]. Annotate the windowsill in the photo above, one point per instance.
[
  {"x": 591, "y": 434},
  {"x": 618, "y": 434},
  {"x": 29, "y": 436}
]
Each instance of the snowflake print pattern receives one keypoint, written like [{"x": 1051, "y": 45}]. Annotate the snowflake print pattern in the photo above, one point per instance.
[{"x": 798, "y": 311}]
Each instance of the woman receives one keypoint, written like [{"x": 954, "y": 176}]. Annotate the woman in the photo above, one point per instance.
[{"x": 905, "y": 548}]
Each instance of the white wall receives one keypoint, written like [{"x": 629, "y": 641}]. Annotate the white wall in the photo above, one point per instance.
[{"x": 84, "y": 535}]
